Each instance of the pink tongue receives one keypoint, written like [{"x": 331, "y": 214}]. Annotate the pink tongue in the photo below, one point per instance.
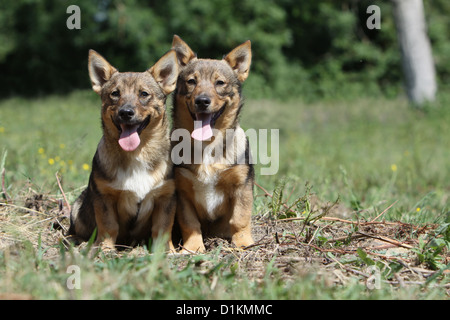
[
  {"x": 129, "y": 138},
  {"x": 202, "y": 127}
]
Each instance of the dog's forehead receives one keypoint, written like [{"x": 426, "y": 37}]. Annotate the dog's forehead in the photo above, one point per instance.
[
  {"x": 133, "y": 80},
  {"x": 208, "y": 68}
]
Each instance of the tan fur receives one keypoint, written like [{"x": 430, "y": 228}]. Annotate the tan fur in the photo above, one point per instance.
[
  {"x": 214, "y": 199},
  {"x": 131, "y": 194}
]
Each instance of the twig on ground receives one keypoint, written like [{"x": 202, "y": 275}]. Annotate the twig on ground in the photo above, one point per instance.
[
  {"x": 386, "y": 239},
  {"x": 62, "y": 191},
  {"x": 22, "y": 208},
  {"x": 347, "y": 238},
  {"x": 385, "y": 210}
]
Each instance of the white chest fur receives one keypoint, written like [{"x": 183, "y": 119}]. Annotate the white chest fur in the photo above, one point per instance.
[
  {"x": 206, "y": 193},
  {"x": 136, "y": 178}
]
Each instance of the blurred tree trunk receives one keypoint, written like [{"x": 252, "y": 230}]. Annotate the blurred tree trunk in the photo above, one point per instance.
[{"x": 417, "y": 58}]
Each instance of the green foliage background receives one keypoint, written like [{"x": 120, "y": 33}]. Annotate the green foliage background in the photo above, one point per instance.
[{"x": 308, "y": 49}]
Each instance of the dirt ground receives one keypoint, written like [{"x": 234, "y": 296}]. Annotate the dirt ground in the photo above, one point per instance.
[{"x": 334, "y": 247}]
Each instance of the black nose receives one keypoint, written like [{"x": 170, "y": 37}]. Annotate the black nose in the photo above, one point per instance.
[
  {"x": 126, "y": 113},
  {"x": 202, "y": 102}
]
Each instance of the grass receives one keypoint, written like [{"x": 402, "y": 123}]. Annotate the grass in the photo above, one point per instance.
[
  {"x": 35, "y": 134},
  {"x": 366, "y": 151},
  {"x": 370, "y": 154}
]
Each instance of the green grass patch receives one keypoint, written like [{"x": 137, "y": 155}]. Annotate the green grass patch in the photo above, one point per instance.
[
  {"x": 365, "y": 153},
  {"x": 47, "y": 135},
  {"x": 368, "y": 152}
]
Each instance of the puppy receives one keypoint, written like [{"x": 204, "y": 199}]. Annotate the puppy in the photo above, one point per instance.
[
  {"x": 215, "y": 193},
  {"x": 131, "y": 192}
]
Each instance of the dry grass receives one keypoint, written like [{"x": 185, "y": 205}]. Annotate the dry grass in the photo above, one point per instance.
[{"x": 338, "y": 251}]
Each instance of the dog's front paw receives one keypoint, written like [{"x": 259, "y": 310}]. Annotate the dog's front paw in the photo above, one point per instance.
[
  {"x": 193, "y": 249},
  {"x": 242, "y": 241},
  {"x": 107, "y": 246}
]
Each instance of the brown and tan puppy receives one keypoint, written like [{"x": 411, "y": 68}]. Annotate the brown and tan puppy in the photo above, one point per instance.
[
  {"x": 215, "y": 189},
  {"x": 131, "y": 192}
]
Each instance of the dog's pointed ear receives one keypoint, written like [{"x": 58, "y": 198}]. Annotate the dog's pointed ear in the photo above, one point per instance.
[
  {"x": 184, "y": 53},
  {"x": 240, "y": 59},
  {"x": 165, "y": 72},
  {"x": 100, "y": 71}
]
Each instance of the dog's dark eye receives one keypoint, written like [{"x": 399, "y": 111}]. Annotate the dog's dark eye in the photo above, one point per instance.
[
  {"x": 192, "y": 81},
  {"x": 144, "y": 94},
  {"x": 220, "y": 83},
  {"x": 115, "y": 93}
]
